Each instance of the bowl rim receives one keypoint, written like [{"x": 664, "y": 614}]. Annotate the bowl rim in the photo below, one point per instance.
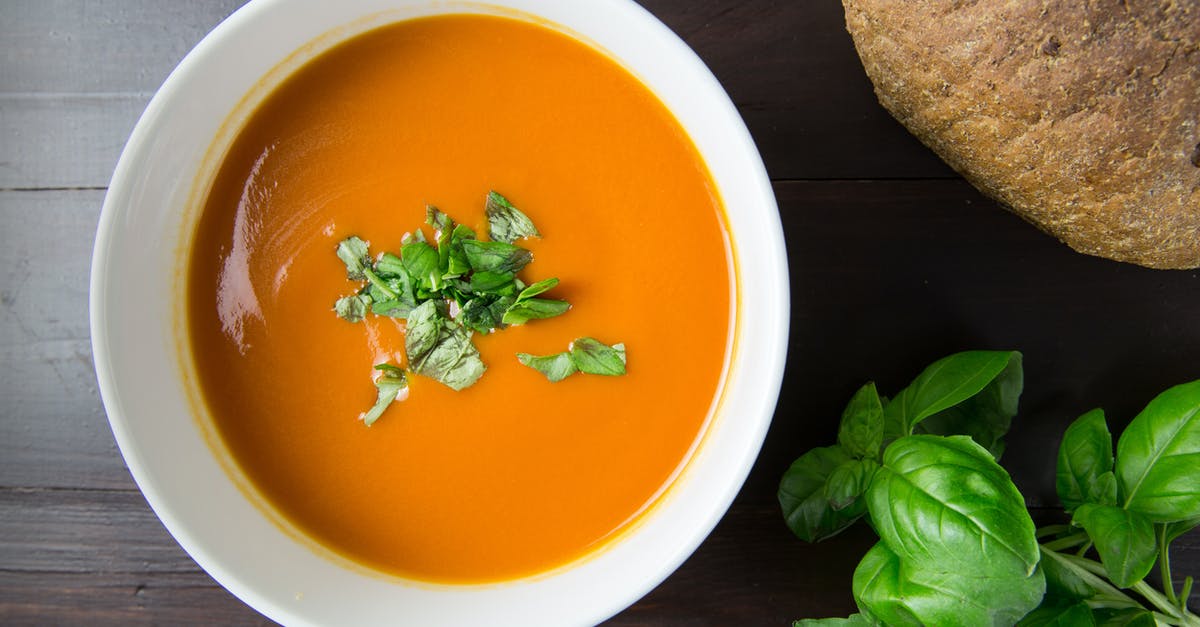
[{"x": 771, "y": 288}]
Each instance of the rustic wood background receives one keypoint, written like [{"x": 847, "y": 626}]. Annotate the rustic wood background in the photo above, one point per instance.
[{"x": 895, "y": 261}]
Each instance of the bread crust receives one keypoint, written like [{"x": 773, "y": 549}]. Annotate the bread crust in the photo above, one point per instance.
[{"x": 1082, "y": 116}]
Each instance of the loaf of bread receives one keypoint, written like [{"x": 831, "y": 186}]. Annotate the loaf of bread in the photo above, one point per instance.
[{"x": 1082, "y": 117}]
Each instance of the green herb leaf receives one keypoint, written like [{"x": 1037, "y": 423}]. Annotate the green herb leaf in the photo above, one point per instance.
[
  {"x": 881, "y": 592},
  {"x": 1075, "y": 615},
  {"x": 802, "y": 495},
  {"x": 506, "y": 223},
  {"x": 390, "y": 383},
  {"x": 959, "y": 530},
  {"x": 421, "y": 261},
  {"x": 442, "y": 224},
  {"x": 986, "y": 416},
  {"x": 1124, "y": 617},
  {"x": 1084, "y": 455},
  {"x": 1158, "y": 457},
  {"x": 556, "y": 367},
  {"x": 1064, "y": 586},
  {"x": 492, "y": 283},
  {"x": 594, "y": 357},
  {"x": 523, "y": 311},
  {"x": 861, "y": 429},
  {"x": 392, "y": 308},
  {"x": 951, "y": 488},
  {"x": 456, "y": 263},
  {"x": 540, "y": 287},
  {"x": 495, "y": 256},
  {"x": 1124, "y": 539},
  {"x": 944, "y": 384},
  {"x": 891, "y": 590},
  {"x": 353, "y": 252},
  {"x": 854, "y": 620},
  {"x": 848, "y": 482},
  {"x": 352, "y": 308},
  {"x": 478, "y": 315},
  {"x": 440, "y": 349}
]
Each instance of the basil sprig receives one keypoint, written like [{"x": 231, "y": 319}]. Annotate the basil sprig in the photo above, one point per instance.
[
  {"x": 585, "y": 354},
  {"x": 451, "y": 286},
  {"x": 957, "y": 544}
]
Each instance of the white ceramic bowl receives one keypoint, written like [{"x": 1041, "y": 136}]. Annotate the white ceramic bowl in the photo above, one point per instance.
[{"x": 136, "y": 325}]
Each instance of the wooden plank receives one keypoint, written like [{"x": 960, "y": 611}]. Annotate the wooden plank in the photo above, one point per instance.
[
  {"x": 85, "y": 531},
  {"x": 99, "y": 46},
  {"x": 101, "y": 554},
  {"x": 53, "y": 430},
  {"x": 119, "y": 599},
  {"x": 66, "y": 108},
  {"x": 64, "y": 141}
]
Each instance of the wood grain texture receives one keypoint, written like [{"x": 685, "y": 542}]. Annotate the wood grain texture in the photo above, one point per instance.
[{"x": 887, "y": 274}]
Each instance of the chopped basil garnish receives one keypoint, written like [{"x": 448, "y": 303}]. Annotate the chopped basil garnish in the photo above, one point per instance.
[
  {"x": 556, "y": 367},
  {"x": 495, "y": 256},
  {"x": 451, "y": 286},
  {"x": 352, "y": 308},
  {"x": 584, "y": 355},
  {"x": 440, "y": 349},
  {"x": 390, "y": 383},
  {"x": 506, "y": 223},
  {"x": 593, "y": 357},
  {"x": 353, "y": 252}
]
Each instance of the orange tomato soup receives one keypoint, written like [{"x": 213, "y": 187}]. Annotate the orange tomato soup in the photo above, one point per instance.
[{"x": 515, "y": 475}]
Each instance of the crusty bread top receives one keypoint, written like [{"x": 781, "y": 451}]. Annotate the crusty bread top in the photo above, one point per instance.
[{"x": 1083, "y": 116}]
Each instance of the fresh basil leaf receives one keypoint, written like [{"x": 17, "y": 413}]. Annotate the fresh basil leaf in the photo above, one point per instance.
[
  {"x": 1103, "y": 489},
  {"x": 1124, "y": 617},
  {"x": 1074, "y": 615},
  {"x": 456, "y": 260},
  {"x": 986, "y": 416},
  {"x": 848, "y": 482},
  {"x": 523, "y": 311},
  {"x": 1064, "y": 586},
  {"x": 352, "y": 308},
  {"x": 506, "y": 223},
  {"x": 880, "y": 591},
  {"x": 1175, "y": 529},
  {"x": 392, "y": 308},
  {"x": 416, "y": 236},
  {"x": 556, "y": 367},
  {"x": 1158, "y": 457},
  {"x": 1084, "y": 455},
  {"x": 594, "y": 357},
  {"x": 854, "y": 620},
  {"x": 1124, "y": 539},
  {"x": 353, "y": 252},
  {"x": 488, "y": 282},
  {"x": 421, "y": 260},
  {"x": 441, "y": 223},
  {"x": 495, "y": 256},
  {"x": 897, "y": 593},
  {"x": 861, "y": 429},
  {"x": 944, "y": 502},
  {"x": 802, "y": 495},
  {"x": 944, "y": 384},
  {"x": 477, "y": 315},
  {"x": 389, "y": 384},
  {"x": 440, "y": 349},
  {"x": 389, "y": 266},
  {"x": 537, "y": 288},
  {"x": 962, "y": 539},
  {"x": 499, "y": 307}
]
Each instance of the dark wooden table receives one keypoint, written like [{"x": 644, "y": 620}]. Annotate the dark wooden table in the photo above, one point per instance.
[{"x": 895, "y": 261}]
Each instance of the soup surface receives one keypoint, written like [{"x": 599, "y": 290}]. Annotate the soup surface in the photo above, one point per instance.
[{"x": 514, "y": 475}]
